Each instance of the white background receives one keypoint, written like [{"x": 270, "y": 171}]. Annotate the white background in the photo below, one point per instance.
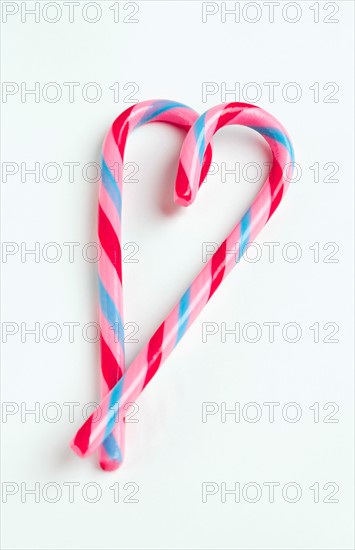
[{"x": 170, "y": 452}]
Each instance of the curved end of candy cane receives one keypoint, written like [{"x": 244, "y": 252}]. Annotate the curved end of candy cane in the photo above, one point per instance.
[
  {"x": 182, "y": 190},
  {"x": 186, "y": 187}
]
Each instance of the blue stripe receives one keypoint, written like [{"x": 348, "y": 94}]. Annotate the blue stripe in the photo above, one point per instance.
[
  {"x": 184, "y": 313},
  {"x": 199, "y": 131},
  {"x": 110, "y": 442},
  {"x": 111, "y": 186},
  {"x": 244, "y": 232},
  {"x": 157, "y": 108},
  {"x": 279, "y": 136},
  {"x": 114, "y": 406},
  {"x": 111, "y": 313},
  {"x": 112, "y": 448}
]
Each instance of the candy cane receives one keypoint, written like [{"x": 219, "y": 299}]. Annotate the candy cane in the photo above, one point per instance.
[
  {"x": 163, "y": 341},
  {"x": 110, "y": 263}
]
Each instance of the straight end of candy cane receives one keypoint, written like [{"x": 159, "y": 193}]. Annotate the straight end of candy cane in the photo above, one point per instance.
[
  {"x": 81, "y": 444},
  {"x": 110, "y": 465},
  {"x": 77, "y": 450},
  {"x": 181, "y": 201},
  {"x": 107, "y": 463},
  {"x": 111, "y": 450}
]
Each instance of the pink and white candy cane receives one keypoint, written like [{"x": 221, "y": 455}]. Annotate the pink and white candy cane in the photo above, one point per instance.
[
  {"x": 110, "y": 264},
  {"x": 165, "y": 338}
]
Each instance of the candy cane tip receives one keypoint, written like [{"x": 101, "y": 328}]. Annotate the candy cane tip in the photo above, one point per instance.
[
  {"x": 182, "y": 201},
  {"x": 77, "y": 449}
]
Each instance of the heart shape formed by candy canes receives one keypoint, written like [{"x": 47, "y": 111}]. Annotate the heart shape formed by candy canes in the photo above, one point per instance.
[
  {"x": 142, "y": 369},
  {"x": 109, "y": 234}
]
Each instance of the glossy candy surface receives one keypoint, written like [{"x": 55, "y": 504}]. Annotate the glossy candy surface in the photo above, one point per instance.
[
  {"x": 104, "y": 420},
  {"x": 110, "y": 263}
]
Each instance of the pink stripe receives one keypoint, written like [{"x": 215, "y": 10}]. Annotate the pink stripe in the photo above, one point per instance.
[
  {"x": 170, "y": 332},
  {"x": 191, "y": 160},
  {"x": 179, "y": 116},
  {"x": 259, "y": 212},
  {"x": 113, "y": 159},
  {"x": 110, "y": 280},
  {"x": 232, "y": 248},
  {"x": 138, "y": 112},
  {"x": 110, "y": 210},
  {"x": 110, "y": 338},
  {"x": 200, "y": 289},
  {"x": 211, "y": 121}
]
